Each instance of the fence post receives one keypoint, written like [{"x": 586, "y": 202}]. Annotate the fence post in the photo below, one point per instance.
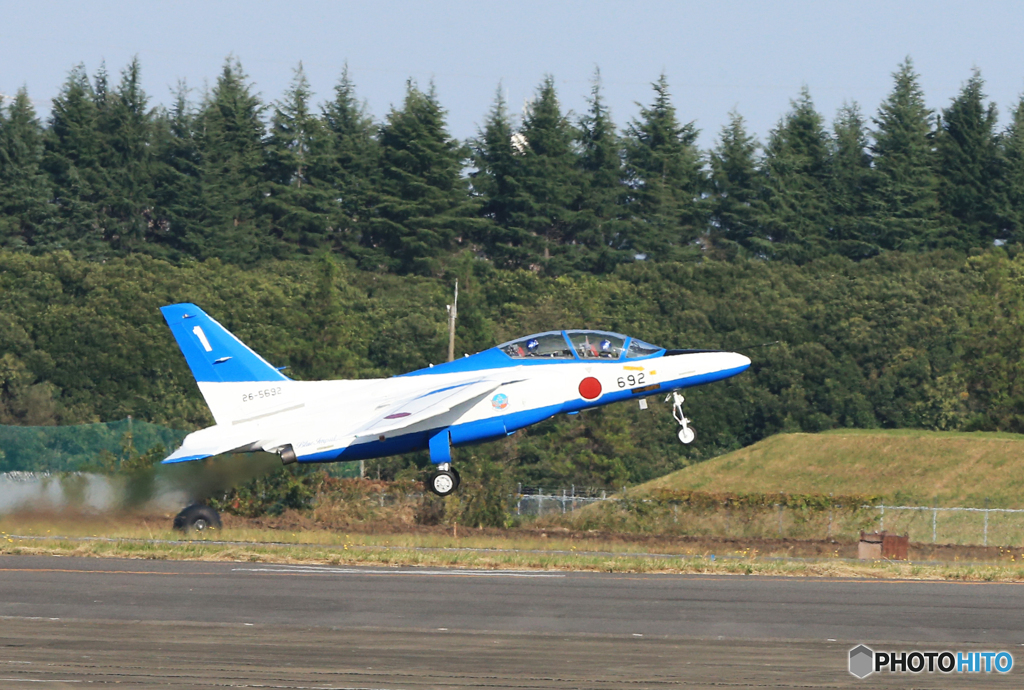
[
  {"x": 986, "y": 527},
  {"x": 935, "y": 517},
  {"x": 778, "y": 508},
  {"x": 563, "y": 501},
  {"x": 830, "y": 517},
  {"x": 881, "y": 518}
]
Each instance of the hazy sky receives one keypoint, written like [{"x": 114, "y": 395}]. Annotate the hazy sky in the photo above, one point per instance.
[{"x": 751, "y": 56}]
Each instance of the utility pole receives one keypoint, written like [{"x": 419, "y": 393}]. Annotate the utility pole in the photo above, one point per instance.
[{"x": 453, "y": 312}]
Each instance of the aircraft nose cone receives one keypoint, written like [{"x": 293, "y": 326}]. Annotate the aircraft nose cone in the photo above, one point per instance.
[{"x": 735, "y": 361}]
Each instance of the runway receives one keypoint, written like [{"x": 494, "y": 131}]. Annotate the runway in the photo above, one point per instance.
[{"x": 151, "y": 623}]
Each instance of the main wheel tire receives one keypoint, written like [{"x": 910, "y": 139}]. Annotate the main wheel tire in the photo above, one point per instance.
[
  {"x": 687, "y": 434},
  {"x": 443, "y": 482},
  {"x": 198, "y": 517},
  {"x": 458, "y": 477}
]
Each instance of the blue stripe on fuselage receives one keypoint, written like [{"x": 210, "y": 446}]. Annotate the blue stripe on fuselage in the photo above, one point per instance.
[{"x": 514, "y": 421}]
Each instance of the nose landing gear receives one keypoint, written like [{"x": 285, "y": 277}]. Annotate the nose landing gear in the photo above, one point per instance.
[{"x": 686, "y": 433}]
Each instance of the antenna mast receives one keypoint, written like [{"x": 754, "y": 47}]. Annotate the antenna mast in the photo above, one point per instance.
[{"x": 453, "y": 312}]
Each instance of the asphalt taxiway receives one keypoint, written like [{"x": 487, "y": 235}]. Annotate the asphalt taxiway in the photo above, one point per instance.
[{"x": 139, "y": 623}]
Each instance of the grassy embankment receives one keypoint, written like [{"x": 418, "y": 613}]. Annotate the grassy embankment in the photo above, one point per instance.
[
  {"x": 913, "y": 467},
  {"x": 899, "y": 467}
]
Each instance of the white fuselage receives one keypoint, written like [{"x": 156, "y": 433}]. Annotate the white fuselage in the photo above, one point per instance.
[{"x": 317, "y": 418}]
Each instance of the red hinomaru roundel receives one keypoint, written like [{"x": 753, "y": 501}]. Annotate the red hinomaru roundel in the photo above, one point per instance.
[{"x": 590, "y": 388}]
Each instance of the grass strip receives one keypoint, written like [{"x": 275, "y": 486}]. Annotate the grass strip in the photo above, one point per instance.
[{"x": 311, "y": 554}]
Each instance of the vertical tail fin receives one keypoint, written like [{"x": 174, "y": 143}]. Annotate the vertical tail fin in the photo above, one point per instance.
[
  {"x": 212, "y": 352},
  {"x": 215, "y": 356}
]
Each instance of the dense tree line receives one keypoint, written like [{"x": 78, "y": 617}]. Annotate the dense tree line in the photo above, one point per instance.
[
  {"x": 329, "y": 242},
  {"x": 235, "y": 178},
  {"x": 929, "y": 340}
]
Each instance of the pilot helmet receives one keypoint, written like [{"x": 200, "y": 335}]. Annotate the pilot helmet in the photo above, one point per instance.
[
  {"x": 606, "y": 346},
  {"x": 532, "y": 344}
]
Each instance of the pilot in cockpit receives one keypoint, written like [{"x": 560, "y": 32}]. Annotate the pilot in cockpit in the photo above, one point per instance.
[{"x": 587, "y": 349}]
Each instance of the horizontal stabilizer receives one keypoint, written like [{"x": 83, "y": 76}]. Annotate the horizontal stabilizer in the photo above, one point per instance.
[
  {"x": 211, "y": 441},
  {"x": 172, "y": 460}
]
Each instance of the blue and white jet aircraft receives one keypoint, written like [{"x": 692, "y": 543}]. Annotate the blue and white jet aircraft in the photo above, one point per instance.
[{"x": 478, "y": 398}]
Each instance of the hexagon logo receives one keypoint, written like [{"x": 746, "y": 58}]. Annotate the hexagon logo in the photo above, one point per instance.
[{"x": 862, "y": 661}]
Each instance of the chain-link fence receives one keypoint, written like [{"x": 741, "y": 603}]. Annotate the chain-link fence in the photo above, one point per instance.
[
  {"x": 960, "y": 525},
  {"x": 956, "y": 525}
]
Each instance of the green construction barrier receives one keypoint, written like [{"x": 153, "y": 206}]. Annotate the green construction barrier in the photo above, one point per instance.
[{"x": 80, "y": 447}]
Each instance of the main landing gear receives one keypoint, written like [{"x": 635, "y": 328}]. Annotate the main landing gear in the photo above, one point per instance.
[
  {"x": 445, "y": 480},
  {"x": 686, "y": 433},
  {"x": 198, "y": 517}
]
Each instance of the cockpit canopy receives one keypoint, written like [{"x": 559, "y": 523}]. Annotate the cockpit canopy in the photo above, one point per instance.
[{"x": 600, "y": 345}]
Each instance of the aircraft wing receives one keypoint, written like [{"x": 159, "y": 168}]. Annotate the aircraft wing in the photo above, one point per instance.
[
  {"x": 427, "y": 405},
  {"x": 423, "y": 405}
]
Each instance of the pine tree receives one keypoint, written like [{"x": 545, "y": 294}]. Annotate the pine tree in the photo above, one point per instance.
[
  {"x": 969, "y": 173},
  {"x": 498, "y": 184},
  {"x": 794, "y": 217},
  {"x": 423, "y": 206},
  {"x": 1011, "y": 148},
  {"x": 25, "y": 210},
  {"x": 664, "y": 174},
  {"x": 905, "y": 161},
  {"x": 351, "y": 163},
  {"x": 550, "y": 180},
  {"x": 177, "y": 179},
  {"x": 233, "y": 159},
  {"x": 126, "y": 158},
  {"x": 852, "y": 183},
  {"x": 72, "y": 161},
  {"x": 734, "y": 186},
  {"x": 599, "y": 224},
  {"x": 301, "y": 203}
]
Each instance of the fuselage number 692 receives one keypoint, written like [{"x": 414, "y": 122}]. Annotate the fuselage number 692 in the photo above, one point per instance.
[{"x": 631, "y": 380}]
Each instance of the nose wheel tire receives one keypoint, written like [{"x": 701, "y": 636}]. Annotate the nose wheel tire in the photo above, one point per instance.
[
  {"x": 197, "y": 517},
  {"x": 444, "y": 482},
  {"x": 686, "y": 434}
]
